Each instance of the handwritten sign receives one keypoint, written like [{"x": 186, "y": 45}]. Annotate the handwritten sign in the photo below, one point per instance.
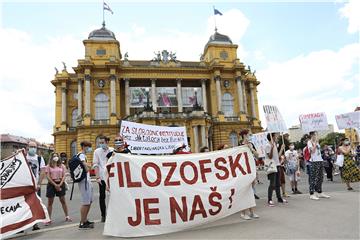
[
  {"x": 20, "y": 207},
  {"x": 274, "y": 120},
  {"x": 313, "y": 122},
  {"x": 151, "y": 139},
  {"x": 348, "y": 120},
  {"x": 164, "y": 194},
  {"x": 260, "y": 141}
]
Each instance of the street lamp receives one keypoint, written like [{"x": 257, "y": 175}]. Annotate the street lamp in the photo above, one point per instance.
[
  {"x": 196, "y": 106},
  {"x": 147, "y": 108}
]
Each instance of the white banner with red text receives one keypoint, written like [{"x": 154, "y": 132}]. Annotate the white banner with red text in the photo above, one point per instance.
[
  {"x": 313, "y": 122},
  {"x": 20, "y": 207},
  {"x": 348, "y": 120},
  {"x": 152, "y": 195},
  {"x": 151, "y": 139}
]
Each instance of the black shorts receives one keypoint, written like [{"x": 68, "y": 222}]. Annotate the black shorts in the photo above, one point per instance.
[{"x": 51, "y": 191}]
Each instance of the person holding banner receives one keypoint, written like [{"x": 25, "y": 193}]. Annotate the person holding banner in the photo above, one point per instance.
[
  {"x": 272, "y": 158},
  {"x": 316, "y": 168},
  {"x": 349, "y": 171},
  {"x": 120, "y": 146}
]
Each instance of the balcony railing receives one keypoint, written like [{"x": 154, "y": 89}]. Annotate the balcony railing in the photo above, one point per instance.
[{"x": 100, "y": 122}]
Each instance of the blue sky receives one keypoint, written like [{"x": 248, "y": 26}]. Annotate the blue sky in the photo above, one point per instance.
[{"x": 273, "y": 38}]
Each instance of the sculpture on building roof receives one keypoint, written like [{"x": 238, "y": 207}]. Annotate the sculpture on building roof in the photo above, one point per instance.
[
  {"x": 173, "y": 56},
  {"x": 126, "y": 56},
  {"x": 56, "y": 70},
  {"x": 64, "y": 66}
]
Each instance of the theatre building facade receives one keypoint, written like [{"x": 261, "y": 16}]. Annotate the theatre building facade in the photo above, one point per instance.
[{"x": 214, "y": 98}]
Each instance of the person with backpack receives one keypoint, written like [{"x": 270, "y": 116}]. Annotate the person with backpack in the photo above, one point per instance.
[
  {"x": 84, "y": 184},
  {"x": 37, "y": 165},
  {"x": 99, "y": 164},
  {"x": 55, "y": 172},
  {"x": 316, "y": 168}
]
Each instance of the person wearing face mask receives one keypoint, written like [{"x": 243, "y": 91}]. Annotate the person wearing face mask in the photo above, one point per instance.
[
  {"x": 349, "y": 171},
  {"x": 316, "y": 168},
  {"x": 120, "y": 146},
  {"x": 86, "y": 189},
  {"x": 55, "y": 173},
  {"x": 99, "y": 164},
  {"x": 293, "y": 167},
  {"x": 37, "y": 165}
]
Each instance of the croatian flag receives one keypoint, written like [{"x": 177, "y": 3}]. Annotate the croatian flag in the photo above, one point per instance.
[
  {"x": 217, "y": 12},
  {"x": 106, "y": 7}
]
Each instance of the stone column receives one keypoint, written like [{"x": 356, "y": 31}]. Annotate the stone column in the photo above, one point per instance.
[
  {"x": 153, "y": 95},
  {"x": 240, "y": 94},
  {"x": 196, "y": 139},
  {"x": 63, "y": 105},
  {"x": 203, "y": 92},
  {"x": 179, "y": 95},
  {"x": 244, "y": 97},
  {"x": 218, "y": 92},
  {"x": 87, "y": 95},
  {"x": 113, "y": 95},
  {"x": 127, "y": 97},
  {"x": 79, "y": 95},
  {"x": 204, "y": 141},
  {"x": 252, "y": 97}
]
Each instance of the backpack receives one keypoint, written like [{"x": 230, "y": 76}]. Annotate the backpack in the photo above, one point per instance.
[
  {"x": 77, "y": 169},
  {"x": 306, "y": 153}
]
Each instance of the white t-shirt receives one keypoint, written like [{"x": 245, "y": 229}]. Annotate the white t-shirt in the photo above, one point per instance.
[
  {"x": 82, "y": 157},
  {"x": 316, "y": 156},
  {"x": 291, "y": 155},
  {"x": 100, "y": 159},
  {"x": 275, "y": 153},
  {"x": 34, "y": 165}
]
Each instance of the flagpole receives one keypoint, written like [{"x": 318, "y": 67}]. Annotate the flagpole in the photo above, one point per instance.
[
  {"x": 103, "y": 13},
  {"x": 214, "y": 18}
]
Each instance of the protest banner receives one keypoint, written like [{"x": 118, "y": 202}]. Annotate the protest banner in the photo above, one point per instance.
[
  {"x": 259, "y": 140},
  {"x": 151, "y": 139},
  {"x": 20, "y": 206},
  {"x": 348, "y": 120},
  {"x": 152, "y": 195},
  {"x": 313, "y": 122},
  {"x": 274, "y": 120}
]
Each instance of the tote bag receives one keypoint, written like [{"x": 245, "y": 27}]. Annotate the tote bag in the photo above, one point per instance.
[
  {"x": 270, "y": 166},
  {"x": 339, "y": 160}
]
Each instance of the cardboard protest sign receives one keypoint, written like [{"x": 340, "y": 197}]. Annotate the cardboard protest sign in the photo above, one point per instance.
[
  {"x": 348, "y": 120},
  {"x": 313, "y": 122},
  {"x": 274, "y": 120},
  {"x": 150, "y": 139},
  {"x": 20, "y": 206},
  {"x": 259, "y": 140},
  {"x": 163, "y": 194}
]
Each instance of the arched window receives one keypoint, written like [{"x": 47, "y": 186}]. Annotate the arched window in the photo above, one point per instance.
[
  {"x": 74, "y": 116},
  {"x": 227, "y": 105},
  {"x": 233, "y": 139},
  {"x": 73, "y": 148},
  {"x": 101, "y": 107}
]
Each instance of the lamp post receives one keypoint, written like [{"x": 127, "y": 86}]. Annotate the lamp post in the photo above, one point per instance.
[
  {"x": 196, "y": 105},
  {"x": 147, "y": 108}
]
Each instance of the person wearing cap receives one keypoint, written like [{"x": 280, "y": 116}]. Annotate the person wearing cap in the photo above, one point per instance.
[{"x": 180, "y": 149}]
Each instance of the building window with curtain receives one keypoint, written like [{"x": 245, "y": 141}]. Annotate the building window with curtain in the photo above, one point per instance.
[
  {"x": 234, "y": 139},
  {"x": 101, "y": 107},
  {"x": 74, "y": 115},
  {"x": 73, "y": 148},
  {"x": 227, "y": 105}
]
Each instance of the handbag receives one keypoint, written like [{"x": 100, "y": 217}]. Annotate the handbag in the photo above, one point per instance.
[
  {"x": 270, "y": 166},
  {"x": 339, "y": 160}
]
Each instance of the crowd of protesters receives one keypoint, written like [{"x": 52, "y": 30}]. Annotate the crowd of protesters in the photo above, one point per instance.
[{"x": 280, "y": 161}]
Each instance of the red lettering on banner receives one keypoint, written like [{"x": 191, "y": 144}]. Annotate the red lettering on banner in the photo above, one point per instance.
[
  {"x": 144, "y": 175},
  {"x": 120, "y": 174},
  {"x": 197, "y": 208},
  {"x": 221, "y": 168},
  {"x": 236, "y": 164},
  {"x": 247, "y": 163},
  {"x": 130, "y": 183},
  {"x": 182, "y": 173},
  {"x": 167, "y": 181},
  {"x": 111, "y": 174},
  {"x": 138, "y": 214},
  {"x": 182, "y": 212},
  {"x": 204, "y": 170},
  {"x": 214, "y": 203},
  {"x": 148, "y": 211}
]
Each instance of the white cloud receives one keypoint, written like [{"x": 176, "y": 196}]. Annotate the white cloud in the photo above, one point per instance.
[
  {"x": 27, "y": 67},
  {"x": 321, "y": 81},
  {"x": 351, "y": 11}
]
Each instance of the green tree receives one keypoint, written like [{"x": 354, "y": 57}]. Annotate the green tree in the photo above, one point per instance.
[{"x": 332, "y": 139}]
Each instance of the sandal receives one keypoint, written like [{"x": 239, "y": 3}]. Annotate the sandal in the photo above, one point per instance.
[
  {"x": 48, "y": 223},
  {"x": 68, "y": 219}
]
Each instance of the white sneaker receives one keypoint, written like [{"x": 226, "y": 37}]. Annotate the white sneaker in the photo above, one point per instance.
[
  {"x": 245, "y": 216},
  {"x": 313, "y": 197},
  {"x": 254, "y": 215},
  {"x": 323, "y": 195}
]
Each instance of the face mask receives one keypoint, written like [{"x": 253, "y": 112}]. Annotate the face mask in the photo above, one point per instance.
[
  {"x": 32, "y": 151},
  {"x": 88, "y": 150},
  {"x": 347, "y": 143},
  {"x": 292, "y": 147},
  {"x": 55, "y": 159},
  {"x": 118, "y": 143},
  {"x": 103, "y": 146}
]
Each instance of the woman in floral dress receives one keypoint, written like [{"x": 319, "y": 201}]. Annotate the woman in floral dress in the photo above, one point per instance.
[{"x": 349, "y": 171}]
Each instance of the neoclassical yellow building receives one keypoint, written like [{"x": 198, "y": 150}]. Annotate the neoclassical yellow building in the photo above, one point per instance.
[{"x": 214, "y": 98}]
